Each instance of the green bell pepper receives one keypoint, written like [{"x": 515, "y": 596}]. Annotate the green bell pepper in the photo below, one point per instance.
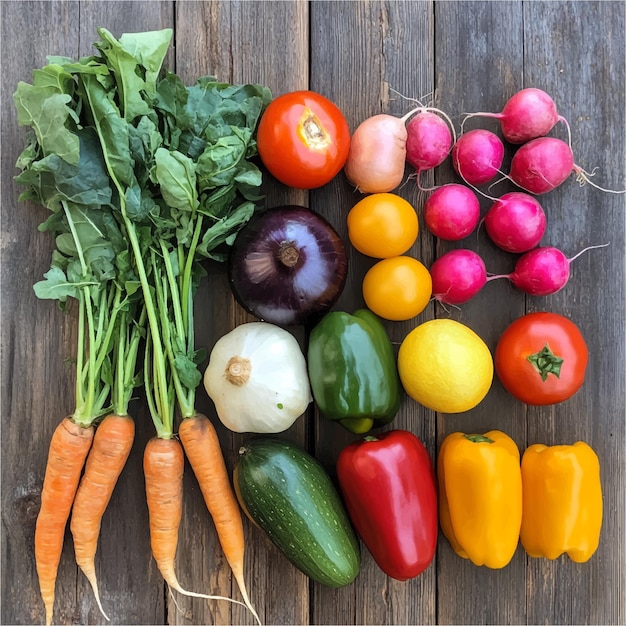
[{"x": 353, "y": 370}]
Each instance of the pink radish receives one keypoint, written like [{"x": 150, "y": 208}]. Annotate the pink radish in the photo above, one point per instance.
[
  {"x": 542, "y": 271},
  {"x": 477, "y": 156},
  {"x": 543, "y": 164},
  {"x": 457, "y": 276},
  {"x": 451, "y": 212},
  {"x": 516, "y": 222},
  {"x": 428, "y": 142},
  {"x": 528, "y": 114}
]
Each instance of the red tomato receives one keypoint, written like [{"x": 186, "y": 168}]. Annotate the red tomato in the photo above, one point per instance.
[
  {"x": 541, "y": 358},
  {"x": 303, "y": 139}
]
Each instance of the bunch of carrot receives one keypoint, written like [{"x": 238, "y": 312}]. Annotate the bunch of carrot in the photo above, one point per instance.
[{"x": 144, "y": 178}]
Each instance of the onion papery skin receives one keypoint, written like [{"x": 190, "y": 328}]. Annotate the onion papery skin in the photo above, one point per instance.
[{"x": 288, "y": 265}]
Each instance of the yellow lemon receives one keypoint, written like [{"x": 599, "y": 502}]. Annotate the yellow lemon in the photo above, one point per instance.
[{"x": 445, "y": 366}]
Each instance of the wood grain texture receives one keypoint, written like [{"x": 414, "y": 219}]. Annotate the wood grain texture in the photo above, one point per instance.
[
  {"x": 573, "y": 49},
  {"x": 478, "y": 66},
  {"x": 374, "y": 51},
  {"x": 226, "y": 40}
]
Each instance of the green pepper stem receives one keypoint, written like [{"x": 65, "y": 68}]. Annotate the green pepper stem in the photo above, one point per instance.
[{"x": 474, "y": 438}]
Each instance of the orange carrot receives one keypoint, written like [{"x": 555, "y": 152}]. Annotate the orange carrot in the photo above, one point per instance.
[
  {"x": 204, "y": 453},
  {"x": 69, "y": 447},
  {"x": 111, "y": 447},
  {"x": 163, "y": 465}
]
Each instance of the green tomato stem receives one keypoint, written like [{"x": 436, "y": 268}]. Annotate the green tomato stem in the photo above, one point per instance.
[{"x": 546, "y": 362}]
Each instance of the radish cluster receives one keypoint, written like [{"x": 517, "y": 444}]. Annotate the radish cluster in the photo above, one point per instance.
[{"x": 516, "y": 222}]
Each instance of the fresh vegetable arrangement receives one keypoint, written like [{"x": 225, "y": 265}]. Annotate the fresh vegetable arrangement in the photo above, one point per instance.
[{"x": 145, "y": 178}]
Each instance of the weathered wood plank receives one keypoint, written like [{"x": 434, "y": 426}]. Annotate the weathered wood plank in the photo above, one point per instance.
[
  {"x": 362, "y": 53},
  {"x": 239, "y": 42},
  {"x": 133, "y": 593},
  {"x": 572, "y": 50},
  {"x": 34, "y": 396},
  {"x": 478, "y": 66}
]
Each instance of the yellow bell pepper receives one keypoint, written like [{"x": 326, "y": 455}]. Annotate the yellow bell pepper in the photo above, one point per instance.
[
  {"x": 562, "y": 501},
  {"x": 480, "y": 496}
]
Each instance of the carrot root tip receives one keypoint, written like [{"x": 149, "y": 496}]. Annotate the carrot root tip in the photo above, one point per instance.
[{"x": 91, "y": 577}]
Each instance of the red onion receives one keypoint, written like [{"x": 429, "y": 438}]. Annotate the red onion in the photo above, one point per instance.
[{"x": 287, "y": 265}]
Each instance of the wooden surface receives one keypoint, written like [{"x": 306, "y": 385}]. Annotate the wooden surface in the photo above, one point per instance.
[{"x": 461, "y": 56}]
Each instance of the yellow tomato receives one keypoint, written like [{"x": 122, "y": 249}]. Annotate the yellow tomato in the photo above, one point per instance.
[
  {"x": 382, "y": 225},
  {"x": 398, "y": 288}
]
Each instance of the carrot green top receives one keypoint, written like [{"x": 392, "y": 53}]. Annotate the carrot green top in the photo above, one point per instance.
[{"x": 145, "y": 177}]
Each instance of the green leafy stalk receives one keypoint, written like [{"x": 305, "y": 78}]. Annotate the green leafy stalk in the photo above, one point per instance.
[
  {"x": 119, "y": 165},
  {"x": 163, "y": 294},
  {"x": 145, "y": 178},
  {"x": 85, "y": 411},
  {"x": 131, "y": 329}
]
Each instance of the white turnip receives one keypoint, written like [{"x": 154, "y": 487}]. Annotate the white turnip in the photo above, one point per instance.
[
  {"x": 477, "y": 156},
  {"x": 451, "y": 212},
  {"x": 542, "y": 271},
  {"x": 516, "y": 222},
  {"x": 377, "y": 156},
  {"x": 528, "y": 114},
  {"x": 457, "y": 276}
]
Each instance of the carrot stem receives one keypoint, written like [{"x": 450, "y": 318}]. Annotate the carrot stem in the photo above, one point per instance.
[{"x": 161, "y": 285}]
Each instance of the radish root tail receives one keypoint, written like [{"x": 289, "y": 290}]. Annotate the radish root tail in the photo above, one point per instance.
[
  {"x": 583, "y": 178},
  {"x": 602, "y": 245},
  {"x": 476, "y": 189},
  {"x": 478, "y": 114},
  {"x": 569, "y": 131}
]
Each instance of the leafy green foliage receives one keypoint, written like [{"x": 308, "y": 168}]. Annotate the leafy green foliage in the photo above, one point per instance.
[{"x": 143, "y": 177}]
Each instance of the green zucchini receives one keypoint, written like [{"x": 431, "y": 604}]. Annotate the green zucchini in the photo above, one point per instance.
[{"x": 288, "y": 494}]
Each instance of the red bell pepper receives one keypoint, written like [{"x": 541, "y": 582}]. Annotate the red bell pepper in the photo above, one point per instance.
[{"x": 389, "y": 487}]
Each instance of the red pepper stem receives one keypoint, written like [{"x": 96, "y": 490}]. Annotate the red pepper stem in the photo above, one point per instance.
[
  {"x": 478, "y": 438},
  {"x": 370, "y": 438}
]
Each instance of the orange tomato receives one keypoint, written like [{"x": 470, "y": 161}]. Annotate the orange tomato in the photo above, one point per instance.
[
  {"x": 303, "y": 139},
  {"x": 398, "y": 288},
  {"x": 382, "y": 225}
]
